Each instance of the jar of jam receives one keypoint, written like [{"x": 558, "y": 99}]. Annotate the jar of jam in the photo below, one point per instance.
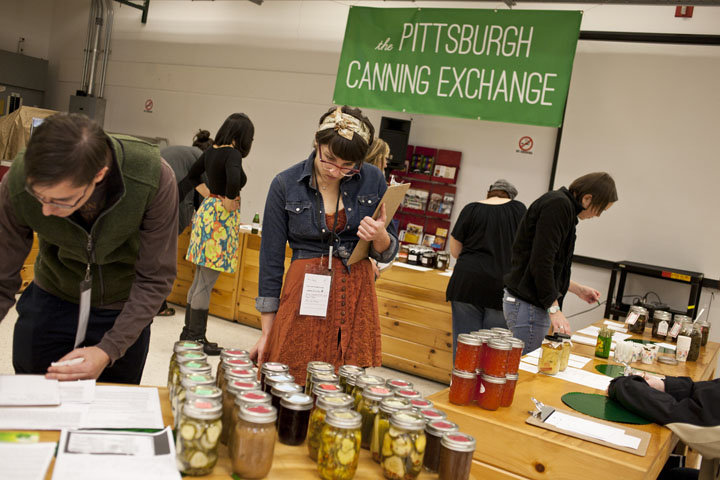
[
  {"x": 187, "y": 381},
  {"x": 604, "y": 343},
  {"x": 367, "y": 408},
  {"x": 434, "y": 432},
  {"x": 273, "y": 379},
  {"x": 388, "y": 406},
  {"x": 272, "y": 368},
  {"x": 180, "y": 358},
  {"x": 413, "y": 257},
  {"x": 503, "y": 332},
  {"x": 232, "y": 389},
  {"x": 695, "y": 343},
  {"x": 361, "y": 383},
  {"x": 324, "y": 389},
  {"x": 294, "y": 418},
  {"x": 323, "y": 404},
  {"x": 661, "y": 324},
  {"x": 196, "y": 441},
  {"x": 636, "y": 319},
  {"x": 428, "y": 259},
  {"x": 496, "y": 356},
  {"x": 485, "y": 336},
  {"x": 515, "y": 354},
  {"x": 242, "y": 358},
  {"x": 551, "y": 354},
  {"x": 462, "y": 387},
  {"x": 409, "y": 393},
  {"x": 398, "y": 384},
  {"x": 181, "y": 346},
  {"x": 491, "y": 391},
  {"x": 340, "y": 445},
  {"x": 467, "y": 356},
  {"x": 282, "y": 389},
  {"x": 432, "y": 414},
  {"x": 565, "y": 354},
  {"x": 704, "y": 330},
  {"x": 347, "y": 371},
  {"x": 402, "y": 255},
  {"x": 253, "y": 441},
  {"x": 421, "y": 403},
  {"x": 442, "y": 261},
  {"x": 456, "y": 452},
  {"x": 313, "y": 368},
  {"x": 509, "y": 389},
  {"x": 403, "y": 446}
]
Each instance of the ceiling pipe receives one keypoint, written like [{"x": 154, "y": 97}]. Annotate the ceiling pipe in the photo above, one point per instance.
[
  {"x": 96, "y": 42},
  {"x": 88, "y": 43},
  {"x": 109, "y": 17}
]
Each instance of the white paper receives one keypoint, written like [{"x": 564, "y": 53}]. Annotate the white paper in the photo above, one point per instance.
[
  {"x": 42, "y": 418},
  {"x": 89, "y": 455},
  {"x": 25, "y": 461},
  {"x": 412, "y": 267},
  {"x": 528, "y": 367},
  {"x": 619, "y": 326},
  {"x": 589, "y": 428},
  {"x": 447, "y": 273},
  {"x": 581, "y": 377},
  {"x": 592, "y": 331},
  {"x": 124, "y": 407},
  {"x": 80, "y": 391},
  {"x": 28, "y": 390},
  {"x": 669, "y": 346},
  {"x": 315, "y": 295}
]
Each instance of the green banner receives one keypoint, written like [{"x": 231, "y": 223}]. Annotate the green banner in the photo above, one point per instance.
[{"x": 505, "y": 66}]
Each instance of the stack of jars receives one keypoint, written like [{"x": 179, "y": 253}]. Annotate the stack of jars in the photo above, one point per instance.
[
  {"x": 235, "y": 360},
  {"x": 313, "y": 368},
  {"x": 182, "y": 346}
]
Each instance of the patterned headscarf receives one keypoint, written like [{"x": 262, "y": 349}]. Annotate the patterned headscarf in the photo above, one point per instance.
[{"x": 345, "y": 125}]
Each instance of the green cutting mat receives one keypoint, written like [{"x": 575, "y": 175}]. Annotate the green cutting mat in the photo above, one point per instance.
[
  {"x": 615, "y": 371},
  {"x": 600, "y": 406}
]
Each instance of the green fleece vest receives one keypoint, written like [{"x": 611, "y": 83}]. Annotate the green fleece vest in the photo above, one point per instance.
[{"x": 114, "y": 240}]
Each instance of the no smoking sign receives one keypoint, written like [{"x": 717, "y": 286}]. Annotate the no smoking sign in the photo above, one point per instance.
[
  {"x": 149, "y": 105},
  {"x": 525, "y": 145}
]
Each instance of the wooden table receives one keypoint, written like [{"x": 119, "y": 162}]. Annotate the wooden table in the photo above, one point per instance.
[{"x": 508, "y": 448}]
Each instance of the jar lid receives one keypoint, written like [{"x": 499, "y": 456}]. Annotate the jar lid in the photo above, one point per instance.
[
  {"x": 458, "y": 442},
  {"x": 297, "y": 401},
  {"x": 397, "y": 383},
  {"x": 253, "y": 397},
  {"x": 667, "y": 360},
  {"x": 349, "y": 370},
  {"x": 323, "y": 388},
  {"x": 258, "y": 413},
  {"x": 501, "y": 331},
  {"x": 499, "y": 344},
  {"x": 463, "y": 373},
  {"x": 280, "y": 389},
  {"x": 190, "y": 379},
  {"x": 490, "y": 379},
  {"x": 202, "y": 409},
  {"x": 662, "y": 315},
  {"x": 228, "y": 353},
  {"x": 438, "y": 427},
  {"x": 240, "y": 374},
  {"x": 512, "y": 376},
  {"x": 407, "y": 420},
  {"x": 682, "y": 318},
  {"x": 409, "y": 394},
  {"x": 274, "y": 379},
  {"x": 316, "y": 366},
  {"x": 376, "y": 393},
  {"x": 365, "y": 380},
  {"x": 702, "y": 323},
  {"x": 240, "y": 362},
  {"x": 393, "y": 404},
  {"x": 334, "y": 400},
  {"x": 324, "y": 377},
  {"x": 187, "y": 346},
  {"x": 468, "y": 339},
  {"x": 430, "y": 414},
  {"x": 638, "y": 309},
  {"x": 236, "y": 386},
  {"x": 189, "y": 355},
  {"x": 274, "y": 367},
  {"x": 343, "y": 418},
  {"x": 421, "y": 403},
  {"x": 516, "y": 343},
  {"x": 195, "y": 366},
  {"x": 207, "y": 392}
]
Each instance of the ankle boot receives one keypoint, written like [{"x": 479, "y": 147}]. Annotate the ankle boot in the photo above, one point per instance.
[
  {"x": 197, "y": 324},
  {"x": 187, "y": 334}
]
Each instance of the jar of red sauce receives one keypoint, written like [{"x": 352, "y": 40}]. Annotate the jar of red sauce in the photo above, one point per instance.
[
  {"x": 467, "y": 356},
  {"x": 496, "y": 358},
  {"x": 462, "y": 387},
  {"x": 515, "y": 355},
  {"x": 491, "y": 392},
  {"x": 509, "y": 390}
]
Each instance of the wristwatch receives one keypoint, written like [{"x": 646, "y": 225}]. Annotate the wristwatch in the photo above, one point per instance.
[{"x": 553, "y": 309}]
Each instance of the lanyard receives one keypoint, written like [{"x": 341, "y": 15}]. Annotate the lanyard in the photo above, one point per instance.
[{"x": 332, "y": 235}]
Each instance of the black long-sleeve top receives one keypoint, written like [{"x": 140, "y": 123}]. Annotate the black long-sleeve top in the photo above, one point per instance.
[
  {"x": 225, "y": 174},
  {"x": 543, "y": 249}
]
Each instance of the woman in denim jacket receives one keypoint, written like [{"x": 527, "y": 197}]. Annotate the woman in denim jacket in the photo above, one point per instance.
[{"x": 322, "y": 207}]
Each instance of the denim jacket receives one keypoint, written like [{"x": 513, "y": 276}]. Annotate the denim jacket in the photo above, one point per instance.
[{"x": 294, "y": 213}]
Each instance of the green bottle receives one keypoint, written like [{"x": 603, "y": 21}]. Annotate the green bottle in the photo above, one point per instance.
[
  {"x": 256, "y": 223},
  {"x": 604, "y": 340}
]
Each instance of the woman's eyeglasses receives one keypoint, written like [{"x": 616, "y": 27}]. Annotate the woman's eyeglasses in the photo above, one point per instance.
[
  {"x": 55, "y": 204},
  {"x": 346, "y": 171}
]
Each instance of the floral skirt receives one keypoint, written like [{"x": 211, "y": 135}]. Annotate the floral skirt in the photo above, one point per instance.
[{"x": 214, "y": 237}]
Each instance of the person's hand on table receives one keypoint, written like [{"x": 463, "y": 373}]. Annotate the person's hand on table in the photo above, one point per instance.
[
  {"x": 94, "y": 362},
  {"x": 370, "y": 229},
  {"x": 559, "y": 323}
]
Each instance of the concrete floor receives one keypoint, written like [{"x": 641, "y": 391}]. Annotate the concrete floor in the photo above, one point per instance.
[{"x": 165, "y": 331}]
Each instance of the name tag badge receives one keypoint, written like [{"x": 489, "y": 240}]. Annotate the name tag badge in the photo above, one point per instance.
[
  {"x": 84, "y": 312},
  {"x": 315, "y": 295}
]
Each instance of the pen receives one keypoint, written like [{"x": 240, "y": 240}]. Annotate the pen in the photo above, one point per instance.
[{"x": 68, "y": 363}]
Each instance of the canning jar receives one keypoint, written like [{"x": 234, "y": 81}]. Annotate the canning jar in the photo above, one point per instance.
[
  {"x": 233, "y": 358},
  {"x": 432, "y": 414},
  {"x": 491, "y": 391},
  {"x": 180, "y": 358},
  {"x": 550, "y": 357},
  {"x": 347, "y": 371},
  {"x": 187, "y": 368},
  {"x": 467, "y": 356},
  {"x": 323, "y": 404},
  {"x": 496, "y": 355},
  {"x": 462, "y": 387},
  {"x": 324, "y": 389},
  {"x": 503, "y": 332},
  {"x": 704, "y": 330},
  {"x": 456, "y": 452},
  {"x": 515, "y": 354},
  {"x": 434, "y": 432},
  {"x": 253, "y": 441},
  {"x": 428, "y": 259},
  {"x": 409, "y": 393},
  {"x": 636, "y": 319},
  {"x": 202, "y": 392},
  {"x": 294, "y": 417},
  {"x": 197, "y": 437},
  {"x": 243, "y": 374},
  {"x": 695, "y": 343},
  {"x": 403, "y": 446},
  {"x": 661, "y": 324},
  {"x": 413, "y": 257},
  {"x": 361, "y": 383},
  {"x": 382, "y": 423},
  {"x": 181, "y": 346},
  {"x": 272, "y": 379},
  {"x": 565, "y": 354},
  {"x": 604, "y": 342},
  {"x": 232, "y": 389},
  {"x": 677, "y": 327},
  {"x": 280, "y": 390},
  {"x": 398, "y": 384},
  {"x": 509, "y": 389},
  {"x": 272, "y": 368},
  {"x": 368, "y": 408},
  {"x": 442, "y": 261},
  {"x": 313, "y": 368},
  {"x": 420, "y": 403},
  {"x": 247, "y": 398},
  {"x": 339, "y": 445},
  {"x": 187, "y": 381}
]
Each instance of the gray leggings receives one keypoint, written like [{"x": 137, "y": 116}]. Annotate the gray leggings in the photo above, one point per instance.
[{"x": 199, "y": 293}]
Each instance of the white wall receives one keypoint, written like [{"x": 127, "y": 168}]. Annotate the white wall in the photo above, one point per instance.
[{"x": 30, "y": 19}]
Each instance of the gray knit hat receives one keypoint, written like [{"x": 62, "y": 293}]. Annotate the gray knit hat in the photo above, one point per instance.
[{"x": 504, "y": 186}]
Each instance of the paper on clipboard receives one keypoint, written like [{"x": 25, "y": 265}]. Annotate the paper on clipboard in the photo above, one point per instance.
[{"x": 392, "y": 199}]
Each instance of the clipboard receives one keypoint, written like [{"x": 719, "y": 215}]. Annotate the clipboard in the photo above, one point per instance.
[
  {"x": 392, "y": 199},
  {"x": 643, "y": 436}
]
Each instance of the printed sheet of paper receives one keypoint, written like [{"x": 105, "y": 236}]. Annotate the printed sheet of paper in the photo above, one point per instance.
[
  {"x": 42, "y": 418},
  {"x": 79, "y": 391},
  {"x": 124, "y": 407},
  {"x": 592, "y": 429},
  {"x": 527, "y": 367},
  {"x": 315, "y": 295},
  {"x": 28, "y": 390},
  {"x": 25, "y": 461}
]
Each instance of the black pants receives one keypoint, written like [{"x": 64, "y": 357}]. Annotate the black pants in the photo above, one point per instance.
[{"x": 45, "y": 332}]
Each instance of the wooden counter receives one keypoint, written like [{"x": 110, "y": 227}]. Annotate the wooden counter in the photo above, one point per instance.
[{"x": 508, "y": 448}]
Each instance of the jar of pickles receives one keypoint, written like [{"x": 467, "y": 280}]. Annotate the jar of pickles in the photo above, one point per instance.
[
  {"x": 294, "y": 418},
  {"x": 388, "y": 406},
  {"x": 234, "y": 358},
  {"x": 509, "y": 389},
  {"x": 313, "y": 368},
  {"x": 410, "y": 394},
  {"x": 515, "y": 354},
  {"x": 566, "y": 347},
  {"x": 361, "y": 383},
  {"x": 282, "y": 389},
  {"x": 661, "y": 324},
  {"x": 551, "y": 354},
  {"x": 491, "y": 391},
  {"x": 432, "y": 414},
  {"x": 183, "y": 357},
  {"x": 636, "y": 319},
  {"x": 496, "y": 354},
  {"x": 467, "y": 356},
  {"x": 456, "y": 452},
  {"x": 434, "y": 432},
  {"x": 187, "y": 368},
  {"x": 197, "y": 437},
  {"x": 398, "y": 384},
  {"x": 324, "y": 389},
  {"x": 462, "y": 387},
  {"x": 340, "y": 445},
  {"x": 403, "y": 446},
  {"x": 367, "y": 408},
  {"x": 253, "y": 441},
  {"x": 347, "y": 371},
  {"x": 203, "y": 392},
  {"x": 273, "y": 379},
  {"x": 187, "y": 381},
  {"x": 323, "y": 404},
  {"x": 181, "y": 346},
  {"x": 272, "y": 367}
]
